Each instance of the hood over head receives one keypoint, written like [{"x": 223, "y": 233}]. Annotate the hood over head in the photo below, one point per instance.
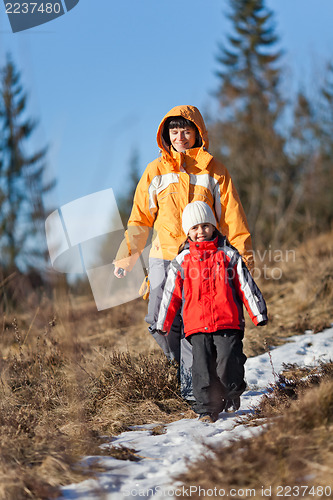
[{"x": 190, "y": 113}]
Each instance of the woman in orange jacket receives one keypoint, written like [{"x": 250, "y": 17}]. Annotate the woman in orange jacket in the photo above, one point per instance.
[{"x": 184, "y": 172}]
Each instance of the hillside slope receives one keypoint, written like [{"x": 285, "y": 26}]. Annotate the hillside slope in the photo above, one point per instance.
[{"x": 71, "y": 374}]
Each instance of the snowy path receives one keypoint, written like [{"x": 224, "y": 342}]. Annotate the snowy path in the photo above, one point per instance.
[{"x": 165, "y": 454}]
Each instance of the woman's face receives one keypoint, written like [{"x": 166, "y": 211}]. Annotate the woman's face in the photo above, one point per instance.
[
  {"x": 182, "y": 138},
  {"x": 201, "y": 232}
]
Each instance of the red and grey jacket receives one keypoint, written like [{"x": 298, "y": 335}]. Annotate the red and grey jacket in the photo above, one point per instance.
[{"x": 210, "y": 282}]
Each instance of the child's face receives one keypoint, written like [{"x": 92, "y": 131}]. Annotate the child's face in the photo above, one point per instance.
[
  {"x": 182, "y": 138},
  {"x": 201, "y": 232}
]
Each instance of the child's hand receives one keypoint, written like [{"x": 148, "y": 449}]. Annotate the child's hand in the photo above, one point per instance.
[
  {"x": 162, "y": 332},
  {"x": 263, "y": 323}
]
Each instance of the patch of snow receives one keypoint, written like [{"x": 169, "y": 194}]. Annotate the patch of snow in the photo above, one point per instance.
[{"x": 166, "y": 455}]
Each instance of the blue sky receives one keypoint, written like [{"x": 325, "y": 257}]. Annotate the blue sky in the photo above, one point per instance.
[{"x": 101, "y": 77}]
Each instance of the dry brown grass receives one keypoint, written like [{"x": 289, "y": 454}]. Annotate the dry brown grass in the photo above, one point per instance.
[
  {"x": 70, "y": 374},
  {"x": 295, "y": 449},
  {"x": 302, "y": 299},
  {"x": 291, "y": 385},
  {"x": 134, "y": 390}
]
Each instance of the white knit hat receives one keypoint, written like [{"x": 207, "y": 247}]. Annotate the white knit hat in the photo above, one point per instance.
[{"x": 195, "y": 213}]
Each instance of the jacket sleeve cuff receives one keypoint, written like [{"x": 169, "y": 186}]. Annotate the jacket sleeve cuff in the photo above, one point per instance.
[
  {"x": 162, "y": 326},
  {"x": 261, "y": 318}
]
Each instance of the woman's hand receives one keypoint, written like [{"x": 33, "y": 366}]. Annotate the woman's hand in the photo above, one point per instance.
[
  {"x": 162, "y": 332},
  {"x": 119, "y": 272}
]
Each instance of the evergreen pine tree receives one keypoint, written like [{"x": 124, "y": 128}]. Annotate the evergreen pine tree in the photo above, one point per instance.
[
  {"x": 245, "y": 135},
  {"x": 324, "y": 164},
  {"x": 22, "y": 211},
  {"x": 303, "y": 155},
  {"x": 311, "y": 153}
]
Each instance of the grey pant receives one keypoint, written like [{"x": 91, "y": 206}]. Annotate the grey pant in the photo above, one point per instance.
[
  {"x": 174, "y": 346},
  {"x": 218, "y": 368}
]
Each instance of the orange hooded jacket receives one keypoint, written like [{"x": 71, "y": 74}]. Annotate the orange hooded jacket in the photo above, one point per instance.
[{"x": 168, "y": 184}]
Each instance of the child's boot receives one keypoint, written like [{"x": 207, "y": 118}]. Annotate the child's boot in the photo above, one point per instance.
[
  {"x": 208, "y": 417},
  {"x": 232, "y": 405}
]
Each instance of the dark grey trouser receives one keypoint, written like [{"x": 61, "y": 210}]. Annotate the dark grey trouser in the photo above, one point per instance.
[
  {"x": 218, "y": 368},
  {"x": 174, "y": 346}
]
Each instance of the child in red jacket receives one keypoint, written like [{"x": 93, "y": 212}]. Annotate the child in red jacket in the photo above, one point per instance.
[{"x": 209, "y": 282}]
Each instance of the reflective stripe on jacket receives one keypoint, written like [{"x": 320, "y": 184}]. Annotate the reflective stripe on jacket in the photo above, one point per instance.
[
  {"x": 168, "y": 184},
  {"x": 210, "y": 281}
]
